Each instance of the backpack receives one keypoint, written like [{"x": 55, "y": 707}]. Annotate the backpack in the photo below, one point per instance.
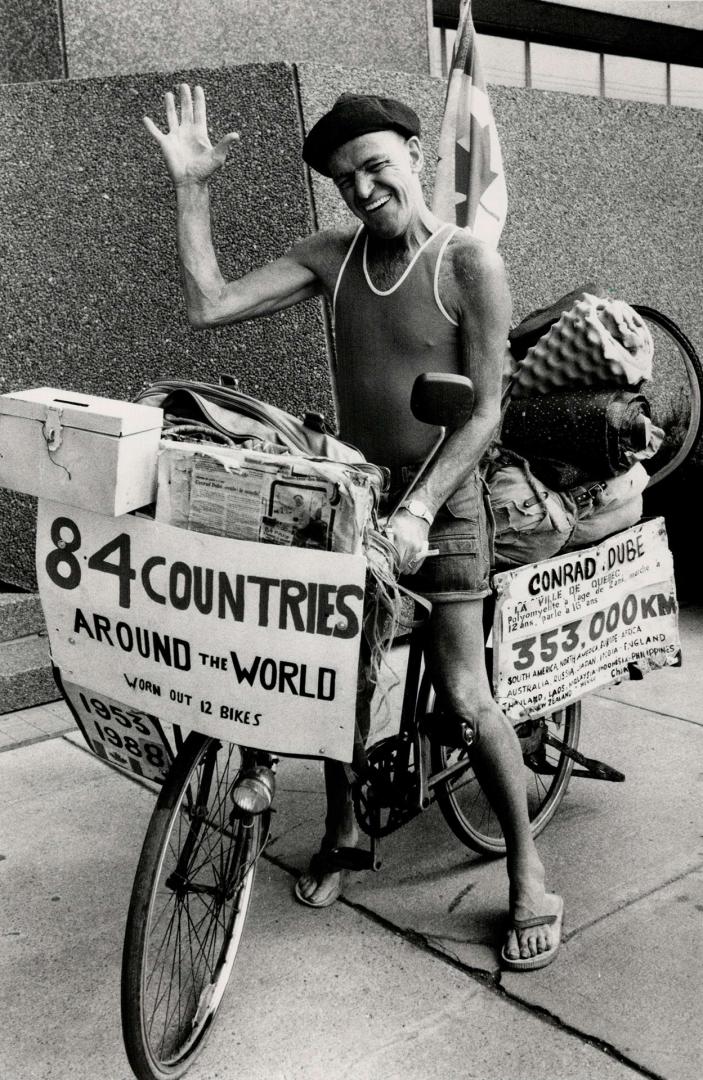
[{"x": 245, "y": 420}]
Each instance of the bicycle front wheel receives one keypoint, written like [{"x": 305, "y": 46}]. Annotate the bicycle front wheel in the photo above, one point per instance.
[
  {"x": 547, "y": 770},
  {"x": 189, "y": 903}
]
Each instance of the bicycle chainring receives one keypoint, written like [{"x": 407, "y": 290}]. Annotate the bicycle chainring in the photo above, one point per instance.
[{"x": 385, "y": 794}]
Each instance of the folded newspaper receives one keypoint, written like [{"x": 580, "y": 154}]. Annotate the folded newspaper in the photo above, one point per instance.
[{"x": 269, "y": 498}]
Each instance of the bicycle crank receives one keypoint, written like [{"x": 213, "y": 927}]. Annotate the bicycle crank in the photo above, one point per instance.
[{"x": 384, "y": 795}]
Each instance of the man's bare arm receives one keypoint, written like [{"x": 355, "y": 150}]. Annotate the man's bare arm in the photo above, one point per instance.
[
  {"x": 484, "y": 317},
  {"x": 211, "y": 300},
  {"x": 484, "y": 324}
]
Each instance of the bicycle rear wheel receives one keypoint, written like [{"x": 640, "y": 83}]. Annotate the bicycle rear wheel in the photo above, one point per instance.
[
  {"x": 674, "y": 394},
  {"x": 548, "y": 770},
  {"x": 189, "y": 903}
]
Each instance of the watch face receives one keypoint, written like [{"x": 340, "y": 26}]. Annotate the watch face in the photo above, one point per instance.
[{"x": 418, "y": 509}]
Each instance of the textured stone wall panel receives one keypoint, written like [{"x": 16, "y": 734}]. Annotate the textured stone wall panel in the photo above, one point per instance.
[
  {"x": 89, "y": 279},
  {"x": 163, "y": 35},
  {"x": 30, "y": 41}
]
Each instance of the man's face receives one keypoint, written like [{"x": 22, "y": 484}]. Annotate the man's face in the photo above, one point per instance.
[{"x": 377, "y": 176}]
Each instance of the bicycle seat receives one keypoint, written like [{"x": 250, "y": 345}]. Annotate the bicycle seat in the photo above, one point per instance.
[{"x": 442, "y": 399}]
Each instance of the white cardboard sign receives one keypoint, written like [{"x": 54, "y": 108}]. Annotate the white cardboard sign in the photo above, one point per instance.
[
  {"x": 569, "y": 625},
  {"x": 254, "y": 643}
]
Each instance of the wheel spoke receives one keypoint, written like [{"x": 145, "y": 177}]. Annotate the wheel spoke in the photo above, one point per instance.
[
  {"x": 463, "y": 803},
  {"x": 159, "y": 996},
  {"x": 198, "y": 885},
  {"x": 170, "y": 982}
]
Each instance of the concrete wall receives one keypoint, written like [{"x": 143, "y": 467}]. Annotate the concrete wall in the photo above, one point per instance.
[
  {"x": 91, "y": 299},
  {"x": 95, "y": 38},
  {"x": 90, "y": 283},
  {"x": 31, "y": 44}
]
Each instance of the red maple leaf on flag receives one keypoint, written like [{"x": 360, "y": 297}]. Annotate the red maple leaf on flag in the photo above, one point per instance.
[{"x": 470, "y": 183}]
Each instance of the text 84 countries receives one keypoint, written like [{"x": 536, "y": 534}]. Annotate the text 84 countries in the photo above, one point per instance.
[
  {"x": 565, "y": 639},
  {"x": 309, "y": 607}
]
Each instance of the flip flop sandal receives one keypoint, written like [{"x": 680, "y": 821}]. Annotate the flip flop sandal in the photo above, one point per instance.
[
  {"x": 319, "y": 865},
  {"x": 532, "y": 963}
]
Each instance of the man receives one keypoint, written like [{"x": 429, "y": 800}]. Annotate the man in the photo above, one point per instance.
[{"x": 410, "y": 294}]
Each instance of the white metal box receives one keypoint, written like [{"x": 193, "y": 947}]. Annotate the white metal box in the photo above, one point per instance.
[{"x": 87, "y": 451}]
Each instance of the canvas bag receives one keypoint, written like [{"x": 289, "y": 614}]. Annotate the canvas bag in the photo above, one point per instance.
[
  {"x": 608, "y": 507},
  {"x": 246, "y": 420},
  {"x": 532, "y": 522}
]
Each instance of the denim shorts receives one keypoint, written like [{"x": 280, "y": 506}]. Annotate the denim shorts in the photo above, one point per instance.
[{"x": 462, "y": 535}]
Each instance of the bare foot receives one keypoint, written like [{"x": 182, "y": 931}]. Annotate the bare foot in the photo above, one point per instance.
[
  {"x": 317, "y": 888},
  {"x": 529, "y": 937}
]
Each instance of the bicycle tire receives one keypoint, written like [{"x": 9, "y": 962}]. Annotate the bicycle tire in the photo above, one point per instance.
[
  {"x": 664, "y": 463},
  {"x": 462, "y": 802},
  {"x": 190, "y": 898}
]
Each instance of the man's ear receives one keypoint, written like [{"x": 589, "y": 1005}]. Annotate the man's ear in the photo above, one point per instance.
[{"x": 416, "y": 154}]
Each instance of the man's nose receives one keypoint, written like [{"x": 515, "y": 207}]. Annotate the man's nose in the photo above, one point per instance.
[{"x": 364, "y": 185}]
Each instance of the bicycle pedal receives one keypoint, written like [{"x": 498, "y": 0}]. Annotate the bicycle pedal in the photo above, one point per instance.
[
  {"x": 349, "y": 858},
  {"x": 449, "y": 732}
]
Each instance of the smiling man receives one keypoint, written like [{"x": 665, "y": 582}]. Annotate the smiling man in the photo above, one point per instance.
[{"x": 410, "y": 294}]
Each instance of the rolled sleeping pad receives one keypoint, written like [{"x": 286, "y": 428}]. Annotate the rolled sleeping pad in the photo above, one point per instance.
[{"x": 575, "y": 435}]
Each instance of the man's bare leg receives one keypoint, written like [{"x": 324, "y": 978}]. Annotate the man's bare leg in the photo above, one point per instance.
[
  {"x": 340, "y": 831},
  {"x": 317, "y": 886},
  {"x": 456, "y": 659}
]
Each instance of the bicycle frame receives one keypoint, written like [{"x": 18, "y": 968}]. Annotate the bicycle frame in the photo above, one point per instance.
[{"x": 405, "y": 785}]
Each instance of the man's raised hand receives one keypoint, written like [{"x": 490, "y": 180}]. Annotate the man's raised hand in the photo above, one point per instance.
[{"x": 189, "y": 155}]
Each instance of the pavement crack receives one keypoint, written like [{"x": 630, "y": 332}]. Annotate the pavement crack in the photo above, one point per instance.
[
  {"x": 413, "y": 937},
  {"x": 426, "y": 943},
  {"x": 31, "y": 740},
  {"x": 491, "y": 979},
  {"x": 648, "y": 709},
  {"x": 555, "y": 1021},
  {"x": 572, "y": 934}
]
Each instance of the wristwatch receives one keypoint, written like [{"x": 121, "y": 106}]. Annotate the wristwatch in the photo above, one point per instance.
[{"x": 418, "y": 510}]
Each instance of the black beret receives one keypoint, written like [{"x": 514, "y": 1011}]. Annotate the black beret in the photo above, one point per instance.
[{"x": 353, "y": 115}]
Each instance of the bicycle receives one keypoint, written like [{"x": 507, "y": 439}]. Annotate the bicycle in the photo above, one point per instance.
[{"x": 194, "y": 880}]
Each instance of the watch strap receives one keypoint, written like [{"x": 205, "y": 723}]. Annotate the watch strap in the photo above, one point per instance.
[{"x": 418, "y": 509}]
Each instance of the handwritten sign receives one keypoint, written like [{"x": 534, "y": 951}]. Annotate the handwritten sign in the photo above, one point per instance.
[
  {"x": 572, "y": 624},
  {"x": 254, "y": 643}
]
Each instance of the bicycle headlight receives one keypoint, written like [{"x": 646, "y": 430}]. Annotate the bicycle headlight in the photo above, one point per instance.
[{"x": 253, "y": 792}]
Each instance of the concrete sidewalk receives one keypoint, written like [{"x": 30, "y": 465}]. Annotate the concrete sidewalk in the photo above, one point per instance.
[{"x": 400, "y": 978}]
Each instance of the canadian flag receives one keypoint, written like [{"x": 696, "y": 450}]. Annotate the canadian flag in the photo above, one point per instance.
[{"x": 470, "y": 182}]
